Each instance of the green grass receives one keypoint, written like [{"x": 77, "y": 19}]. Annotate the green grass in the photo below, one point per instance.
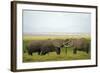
[
  {"x": 52, "y": 56},
  {"x": 28, "y": 37}
]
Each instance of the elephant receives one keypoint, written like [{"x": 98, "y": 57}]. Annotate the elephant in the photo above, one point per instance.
[
  {"x": 43, "y": 47},
  {"x": 50, "y": 47},
  {"x": 34, "y": 47},
  {"x": 81, "y": 44}
]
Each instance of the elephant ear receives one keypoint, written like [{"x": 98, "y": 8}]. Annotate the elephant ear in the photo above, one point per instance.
[
  {"x": 66, "y": 41},
  {"x": 56, "y": 44}
]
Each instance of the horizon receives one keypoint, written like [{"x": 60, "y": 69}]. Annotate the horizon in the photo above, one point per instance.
[{"x": 54, "y": 34}]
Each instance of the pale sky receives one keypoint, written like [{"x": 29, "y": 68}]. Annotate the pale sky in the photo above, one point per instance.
[{"x": 48, "y": 21}]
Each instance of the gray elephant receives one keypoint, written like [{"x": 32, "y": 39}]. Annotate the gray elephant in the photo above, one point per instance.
[
  {"x": 43, "y": 47},
  {"x": 34, "y": 47},
  {"x": 81, "y": 44},
  {"x": 49, "y": 46}
]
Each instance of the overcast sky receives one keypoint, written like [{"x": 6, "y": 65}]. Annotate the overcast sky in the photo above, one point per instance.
[{"x": 48, "y": 21}]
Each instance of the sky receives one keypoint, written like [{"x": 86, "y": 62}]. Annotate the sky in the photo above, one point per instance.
[{"x": 49, "y": 22}]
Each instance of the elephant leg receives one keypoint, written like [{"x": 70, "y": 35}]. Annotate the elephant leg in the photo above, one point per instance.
[
  {"x": 66, "y": 50},
  {"x": 43, "y": 52},
  {"x": 75, "y": 51},
  {"x": 58, "y": 51},
  {"x": 31, "y": 53},
  {"x": 87, "y": 51},
  {"x": 39, "y": 51}
]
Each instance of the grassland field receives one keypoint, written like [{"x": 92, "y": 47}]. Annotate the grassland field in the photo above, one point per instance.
[{"x": 66, "y": 53}]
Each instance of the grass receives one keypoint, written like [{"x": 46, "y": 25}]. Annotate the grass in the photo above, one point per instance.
[
  {"x": 52, "y": 56},
  {"x": 27, "y": 37}
]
